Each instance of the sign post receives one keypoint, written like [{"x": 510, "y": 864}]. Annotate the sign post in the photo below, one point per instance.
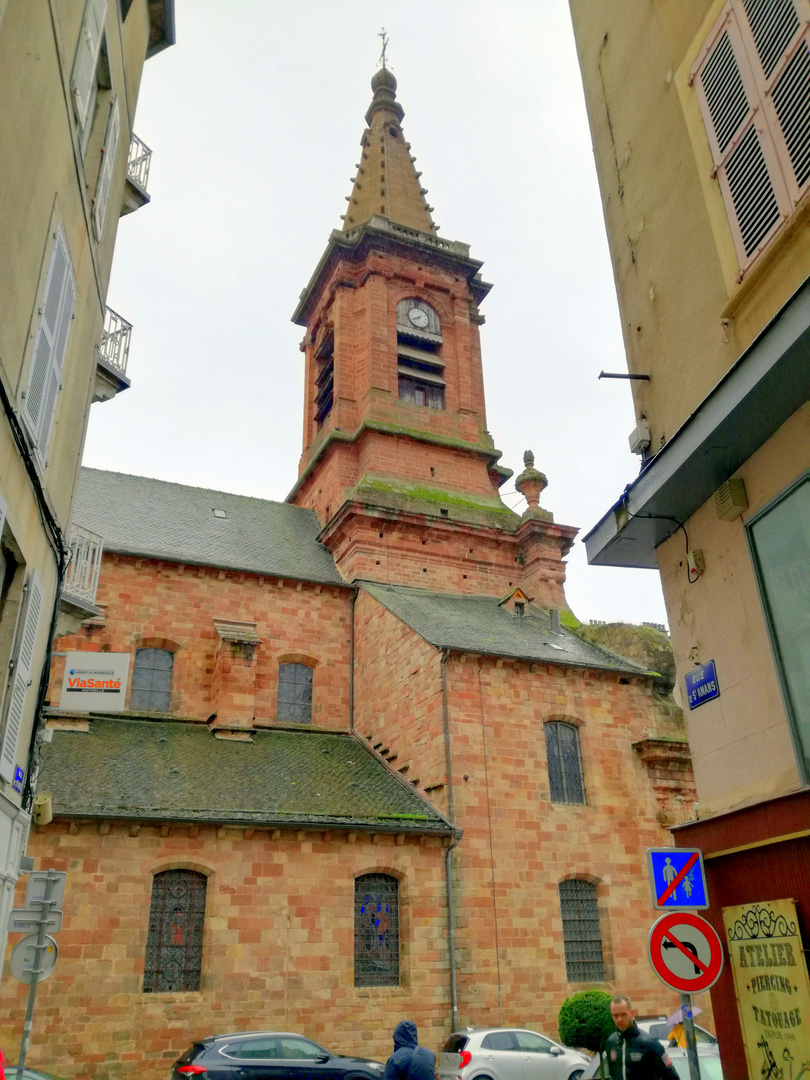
[{"x": 43, "y": 893}]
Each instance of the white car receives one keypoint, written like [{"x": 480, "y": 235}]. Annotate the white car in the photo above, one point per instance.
[{"x": 508, "y": 1054}]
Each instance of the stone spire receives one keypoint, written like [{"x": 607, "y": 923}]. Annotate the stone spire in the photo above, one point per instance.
[{"x": 387, "y": 184}]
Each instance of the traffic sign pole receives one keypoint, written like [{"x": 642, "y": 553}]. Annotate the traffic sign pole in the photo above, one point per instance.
[
  {"x": 52, "y": 878},
  {"x": 691, "y": 1042}
]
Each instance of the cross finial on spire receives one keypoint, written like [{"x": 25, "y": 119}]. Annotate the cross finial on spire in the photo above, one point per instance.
[{"x": 384, "y": 37}]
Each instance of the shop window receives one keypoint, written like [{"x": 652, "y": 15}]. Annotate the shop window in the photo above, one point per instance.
[
  {"x": 294, "y": 693},
  {"x": 420, "y": 368},
  {"x": 174, "y": 939},
  {"x": 582, "y": 938},
  {"x": 565, "y": 780},
  {"x": 779, "y": 537},
  {"x": 152, "y": 680},
  {"x": 753, "y": 84},
  {"x": 376, "y": 930}
]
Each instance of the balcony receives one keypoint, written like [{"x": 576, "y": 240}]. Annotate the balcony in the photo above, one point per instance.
[
  {"x": 138, "y": 162},
  {"x": 81, "y": 578},
  {"x": 111, "y": 357}
]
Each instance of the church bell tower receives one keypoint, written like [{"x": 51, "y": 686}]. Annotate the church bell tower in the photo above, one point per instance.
[{"x": 397, "y": 461}]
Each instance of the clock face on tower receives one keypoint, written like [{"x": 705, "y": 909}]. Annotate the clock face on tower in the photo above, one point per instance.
[{"x": 418, "y": 317}]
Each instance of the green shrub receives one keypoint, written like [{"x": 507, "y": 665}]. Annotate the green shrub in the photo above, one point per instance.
[{"x": 585, "y": 1021}]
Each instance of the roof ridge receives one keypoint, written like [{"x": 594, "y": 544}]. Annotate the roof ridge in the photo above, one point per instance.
[{"x": 190, "y": 487}]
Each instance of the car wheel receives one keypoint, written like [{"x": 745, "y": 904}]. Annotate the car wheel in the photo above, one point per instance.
[{"x": 576, "y": 1075}]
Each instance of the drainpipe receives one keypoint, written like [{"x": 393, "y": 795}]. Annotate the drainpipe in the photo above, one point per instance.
[
  {"x": 451, "y": 941},
  {"x": 351, "y": 662}
]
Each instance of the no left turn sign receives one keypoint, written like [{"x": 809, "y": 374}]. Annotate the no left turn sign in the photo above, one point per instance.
[{"x": 685, "y": 952}]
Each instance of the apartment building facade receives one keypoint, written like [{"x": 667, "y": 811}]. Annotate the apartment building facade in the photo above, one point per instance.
[
  {"x": 70, "y": 165},
  {"x": 700, "y": 116}
]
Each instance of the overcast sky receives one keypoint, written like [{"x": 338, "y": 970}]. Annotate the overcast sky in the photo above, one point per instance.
[{"x": 255, "y": 118}]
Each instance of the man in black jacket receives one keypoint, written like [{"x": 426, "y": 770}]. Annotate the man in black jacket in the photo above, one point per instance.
[
  {"x": 632, "y": 1054},
  {"x": 409, "y": 1061}
]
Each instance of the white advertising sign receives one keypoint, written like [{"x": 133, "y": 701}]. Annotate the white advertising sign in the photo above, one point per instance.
[{"x": 95, "y": 682}]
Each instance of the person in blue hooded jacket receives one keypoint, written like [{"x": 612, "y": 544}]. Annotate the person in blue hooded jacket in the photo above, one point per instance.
[{"x": 409, "y": 1061}]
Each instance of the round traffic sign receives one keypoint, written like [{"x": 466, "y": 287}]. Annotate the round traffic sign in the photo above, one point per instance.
[
  {"x": 23, "y": 957},
  {"x": 686, "y": 952}
]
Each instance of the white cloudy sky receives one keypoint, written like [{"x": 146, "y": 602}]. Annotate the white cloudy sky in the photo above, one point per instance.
[{"x": 255, "y": 117}]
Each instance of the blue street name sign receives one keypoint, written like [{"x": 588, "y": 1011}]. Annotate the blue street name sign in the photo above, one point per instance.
[
  {"x": 702, "y": 685},
  {"x": 677, "y": 878}
]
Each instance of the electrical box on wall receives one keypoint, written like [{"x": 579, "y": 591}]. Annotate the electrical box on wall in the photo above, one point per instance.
[
  {"x": 730, "y": 500},
  {"x": 695, "y": 564},
  {"x": 639, "y": 438}
]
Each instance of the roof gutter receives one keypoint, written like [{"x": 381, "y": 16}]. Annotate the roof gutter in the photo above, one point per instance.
[{"x": 448, "y": 855}]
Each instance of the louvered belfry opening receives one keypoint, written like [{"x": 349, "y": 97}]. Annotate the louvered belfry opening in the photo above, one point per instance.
[
  {"x": 420, "y": 368},
  {"x": 753, "y": 84},
  {"x": 582, "y": 937},
  {"x": 325, "y": 376},
  {"x": 174, "y": 940},
  {"x": 376, "y": 930}
]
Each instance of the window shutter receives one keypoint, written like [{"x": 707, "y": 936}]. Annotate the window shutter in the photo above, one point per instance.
[
  {"x": 50, "y": 346},
  {"x": 105, "y": 176},
  {"x": 21, "y": 679},
  {"x": 84, "y": 66}
]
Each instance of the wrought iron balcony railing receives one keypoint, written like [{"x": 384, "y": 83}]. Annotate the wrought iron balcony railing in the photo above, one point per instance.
[
  {"x": 115, "y": 339},
  {"x": 81, "y": 578},
  {"x": 138, "y": 162}
]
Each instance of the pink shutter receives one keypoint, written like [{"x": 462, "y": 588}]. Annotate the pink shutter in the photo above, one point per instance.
[{"x": 746, "y": 160}]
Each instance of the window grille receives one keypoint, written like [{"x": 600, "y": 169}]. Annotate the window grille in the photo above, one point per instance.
[
  {"x": 376, "y": 930},
  {"x": 294, "y": 692},
  {"x": 564, "y": 763},
  {"x": 753, "y": 86},
  {"x": 174, "y": 940},
  {"x": 152, "y": 680},
  {"x": 582, "y": 939}
]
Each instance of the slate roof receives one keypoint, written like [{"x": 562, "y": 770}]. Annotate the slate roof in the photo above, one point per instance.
[
  {"x": 478, "y": 624},
  {"x": 139, "y": 516},
  {"x": 174, "y": 771}
]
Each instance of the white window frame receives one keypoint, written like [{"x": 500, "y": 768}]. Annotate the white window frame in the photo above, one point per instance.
[
  {"x": 50, "y": 347},
  {"x": 83, "y": 76},
  {"x": 22, "y": 683},
  {"x": 760, "y": 124},
  {"x": 105, "y": 174}
]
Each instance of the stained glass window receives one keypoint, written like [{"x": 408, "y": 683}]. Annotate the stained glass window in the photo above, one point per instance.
[
  {"x": 152, "y": 680},
  {"x": 582, "y": 938},
  {"x": 294, "y": 692},
  {"x": 376, "y": 930},
  {"x": 174, "y": 941},
  {"x": 564, "y": 763}
]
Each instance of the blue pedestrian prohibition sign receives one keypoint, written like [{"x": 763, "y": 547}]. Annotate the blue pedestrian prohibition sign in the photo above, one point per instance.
[{"x": 677, "y": 878}]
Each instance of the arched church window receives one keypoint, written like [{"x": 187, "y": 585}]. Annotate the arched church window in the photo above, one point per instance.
[
  {"x": 152, "y": 680},
  {"x": 582, "y": 937},
  {"x": 376, "y": 930},
  {"x": 174, "y": 941},
  {"x": 565, "y": 780},
  {"x": 294, "y": 693},
  {"x": 420, "y": 368}
]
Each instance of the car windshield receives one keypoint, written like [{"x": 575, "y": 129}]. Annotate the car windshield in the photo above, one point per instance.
[
  {"x": 455, "y": 1044},
  {"x": 193, "y": 1052}
]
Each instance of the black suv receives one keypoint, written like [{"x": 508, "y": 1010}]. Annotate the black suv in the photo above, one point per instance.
[{"x": 269, "y": 1055}]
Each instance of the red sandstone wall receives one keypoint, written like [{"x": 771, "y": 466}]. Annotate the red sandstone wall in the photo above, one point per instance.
[
  {"x": 517, "y": 844},
  {"x": 278, "y": 946},
  {"x": 152, "y": 603}
]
